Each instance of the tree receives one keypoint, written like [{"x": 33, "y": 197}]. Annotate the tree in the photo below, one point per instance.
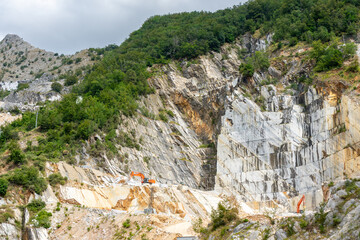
[
  {"x": 16, "y": 155},
  {"x": 56, "y": 87},
  {"x": 85, "y": 129},
  {"x": 70, "y": 80},
  {"x": 246, "y": 69}
]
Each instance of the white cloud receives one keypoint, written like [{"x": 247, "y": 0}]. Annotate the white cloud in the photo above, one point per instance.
[{"x": 67, "y": 26}]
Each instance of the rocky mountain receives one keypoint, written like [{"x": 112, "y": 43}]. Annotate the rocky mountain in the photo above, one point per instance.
[
  {"x": 234, "y": 137},
  {"x": 26, "y": 72},
  {"x": 205, "y": 128}
]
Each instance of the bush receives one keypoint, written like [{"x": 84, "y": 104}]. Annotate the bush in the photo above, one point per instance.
[
  {"x": 303, "y": 223},
  {"x": 246, "y": 69},
  {"x": 16, "y": 155},
  {"x": 329, "y": 56},
  {"x": 126, "y": 224},
  {"x": 353, "y": 67},
  {"x": 5, "y": 214},
  {"x": 70, "y": 80},
  {"x": 163, "y": 117},
  {"x": 260, "y": 61},
  {"x": 22, "y": 86},
  {"x": 3, "y": 186},
  {"x": 320, "y": 217},
  {"x": 56, "y": 87},
  {"x": 43, "y": 219},
  {"x": 223, "y": 215},
  {"x": 85, "y": 129},
  {"x": 348, "y": 50},
  {"x": 29, "y": 178},
  {"x": 36, "y": 205},
  {"x": 56, "y": 178}
]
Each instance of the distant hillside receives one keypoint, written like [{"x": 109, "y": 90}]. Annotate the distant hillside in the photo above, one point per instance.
[
  {"x": 22, "y": 61},
  {"x": 27, "y": 73}
]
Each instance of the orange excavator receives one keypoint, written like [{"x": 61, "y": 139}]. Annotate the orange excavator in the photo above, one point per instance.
[
  {"x": 299, "y": 203},
  {"x": 143, "y": 178}
]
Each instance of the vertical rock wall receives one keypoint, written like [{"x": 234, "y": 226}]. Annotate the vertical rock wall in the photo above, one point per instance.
[{"x": 291, "y": 149}]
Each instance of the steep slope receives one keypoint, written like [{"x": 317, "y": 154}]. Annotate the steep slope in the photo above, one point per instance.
[{"x": 258, "y": 119}]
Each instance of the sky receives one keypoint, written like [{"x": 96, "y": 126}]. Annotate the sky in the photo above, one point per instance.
[{"x": 67, "y": 26}]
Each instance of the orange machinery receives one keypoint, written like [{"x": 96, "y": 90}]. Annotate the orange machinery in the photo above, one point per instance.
[
  {"x": 143, "y": 178},
  {"x": 299, "y": 203}
]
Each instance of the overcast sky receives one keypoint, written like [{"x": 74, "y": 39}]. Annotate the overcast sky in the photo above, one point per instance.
[{"x": 67, "y": 26}]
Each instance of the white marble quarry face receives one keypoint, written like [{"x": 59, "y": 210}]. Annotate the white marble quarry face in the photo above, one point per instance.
[{"x": 290, "y": 149}]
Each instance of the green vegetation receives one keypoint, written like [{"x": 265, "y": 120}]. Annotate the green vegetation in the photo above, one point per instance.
[
  {"x": 6, "y": 213},
  {"x": 320, "y": 218},
  {"x": 22, "y": 86},
  {"x": 126, "y": 224},
  {"x": 223, "y": 215},
  {"x": 16, "y": 155},
  {"x": 246, "y": 69},
  {"x": 331, "y": 55},
  {"x": 29, "y": 178},
  {"x": 70, "y": 80},
  {"x": 36, "y": 205},
  {"x": 43, "y": 219},
  {"x": 289, "y": 227},
  {"x": 56, "y": 87},
  {"x": 56, "y": 178},
  {"x": 221, "y": 218},
  {"x": 303, "y": 222},
  {"x": 3, "y": 186},
  {"x": 259, "y": 61},
  {"x": 3, "y": 94}
]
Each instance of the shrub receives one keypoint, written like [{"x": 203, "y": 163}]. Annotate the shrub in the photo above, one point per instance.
[
  {"x": 56, "y": 178},
  {"x": 353, "y": 67},
  {"x": 288, "y": 226},
  {"x": 22, "y": 86},
  {"x": 3, "y": 186},
  {"x": 70, "y": 80},
  {"x": 5, "y": 214},
  {"x": 29, "y": 178},
  {"x": 43, "y": 219},
  {"x": 303, "y": 223},
  {"x": 15, "y": 110},
  {"x": 320, "y": 217},
  {"x": 348, "y": 50},
  {"x": 223, "y": 215},
  {"x": 16, "y": 155},
  {"x": 36, "y": 205},
  {"x": 126, "y": 224},
  {"x": 259, "y": 60},
  {"x": 329, "y": 56},
  {"x": 246, "y": 69},
  {"x": 170, "y": 113},
  {"x": 163, "y": 117},
  {"x": 350, "y": 186},
  {"x": 56, "y": 87},
  {"x": 85, "y": 129},
  {"x": 336, "y": 220}
]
